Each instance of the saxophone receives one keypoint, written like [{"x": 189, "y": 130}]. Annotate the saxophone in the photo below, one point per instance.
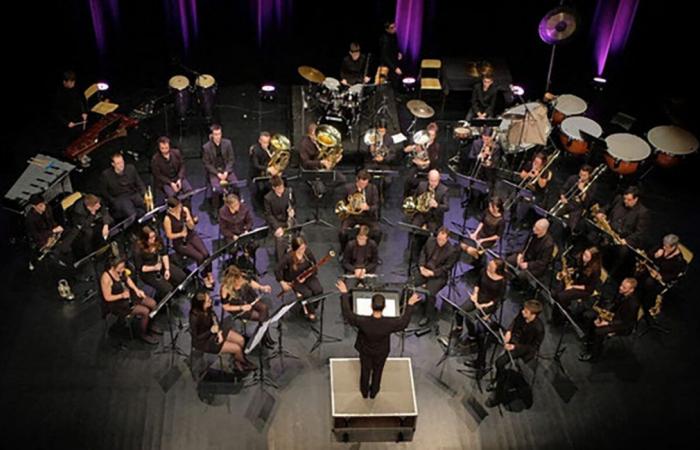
[
  {"x": 604, "y": 225},
  {"x": 603, "y": 313},
  {"x": 566, "y": 274},
  {"x": 352, "y": 206},
  {"x": 148, "y": 200}
]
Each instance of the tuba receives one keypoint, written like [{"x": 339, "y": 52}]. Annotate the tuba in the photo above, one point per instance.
[
  {"x": 280, "y": 153},
  {"x": 351, "y": 207},
  {"x": 330, "y": 144}
]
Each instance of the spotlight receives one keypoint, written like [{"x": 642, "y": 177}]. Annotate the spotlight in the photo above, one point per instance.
[
  {"x": 409, "y": 84},
  {"x": 268, "y": 92},
  {"x": 518, "y": 91},
  {"x": 102, "y": 86},
  {"x": 599, "y": 83}
]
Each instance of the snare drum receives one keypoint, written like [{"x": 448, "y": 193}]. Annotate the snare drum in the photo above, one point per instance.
[
  {"x": 330, "y": 92},
  {"x": 462, "y": 133},
  {"x": 671, "y": 144},
  {"x": 571, "y": 137},
  {"x": 625, "y": 152},
  {"x": 353, "y": 96},
  {"x": 206, "y": 94},
  {"x": 180, "y": 88},
  {"x": 567, "y": 105}
]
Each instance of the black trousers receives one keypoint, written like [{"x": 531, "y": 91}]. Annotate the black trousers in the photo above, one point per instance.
[
  {"x": 128, "y": 205},
  {"x": 433, "y": 285},
  {"x": 371, "y": 368},
  {"x": 160, "y": 284},
  {"x": 312, "y": 286}
]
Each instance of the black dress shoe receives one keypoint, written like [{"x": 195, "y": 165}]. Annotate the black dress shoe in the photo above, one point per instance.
[{"x": 423, "y": 322}]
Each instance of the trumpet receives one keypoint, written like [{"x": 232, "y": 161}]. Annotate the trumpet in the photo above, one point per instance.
[
  {"x": 49, "y": 245},
  {"x": 577, "y": 194}
]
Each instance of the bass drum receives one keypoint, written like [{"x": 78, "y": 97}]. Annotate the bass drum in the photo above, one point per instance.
[{"x": 337, "y": 121}]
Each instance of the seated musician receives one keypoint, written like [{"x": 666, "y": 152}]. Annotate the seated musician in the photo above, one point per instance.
[
  {"x": 122, "y": 297},
  {"x": 239, "y": 298},
  {"x": 279, "y": 214},
  {"x": 44, "y": 231},
  {"x": 261, "y": 154},
  {"x": 584, "y": 278},
  {"x": 434, "y": 265},
  {"x": 489, "y": 291},
  {"x": 484, "y": 154},
  {"x": 536, "y": 180},
  {"x": 367, "y": 208},
  {"x": 438, "y": 205},
  {"x": 523, "y": 339},
  {"x": 424, "y": 158},
  {"x": 669, "y": 264},
  {"x": 630, "y": 220},
  {"x": 168, "y": 168},
  {"x": 179, "y": 226},
  {"x": 70, "y": 108},
  {"x": 218, "y": 159},
  {"x": 361, "y": 255},
  {"x": 235, "y": 218},
  {"x": 381, "y": 154},
  {"x": 124, "y": 189},
  {"x": 624, "y": 307},
  {"x": 353, "y": 68},
  {"x": 153, "y": 263},
  {"x": 577, "y": 203},
  {"x": 298, "y": 259},
  {"x": 209, "y": 337},
  {"x": 90, "y": 224},
  {"x": 309, "y": 153},
  {"x": 484, "y": 96},
  {"x": 537, "y": 253},
  {"x": 487, "y": 233}
]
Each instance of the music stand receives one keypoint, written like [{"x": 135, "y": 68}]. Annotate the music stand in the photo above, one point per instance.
[
  {"x": 313, "y": 178},
  {"x": 362, "y": 302},
  {"x": 379, "y": 176},
  {"x": 413, "y": 230},
  {"x": 321, "y": 337},
  {"x": 457, "y": 310}
]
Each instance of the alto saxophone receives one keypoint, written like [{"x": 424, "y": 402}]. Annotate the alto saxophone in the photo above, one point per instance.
[
  {"x": 566, "y": 274},
  {"x": 603, "y": 313}
]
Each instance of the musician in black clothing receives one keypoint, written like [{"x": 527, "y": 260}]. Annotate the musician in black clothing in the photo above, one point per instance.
[
  {"x": 260, "y": 156},
  {"x": 42, "y": 228},
  {"x": 485, "y": 153},
  {"x": 169, "y": 173},
  {"x": 235, "y": 218},
  {"x": 153, "y": 263},
  {"x": 354, "y": 67},
  {"x": 434, "y": 266},
  {"x": 297, "y": 260},
  {"x": 209, "y": 337},
  {"x": 361, "y": 255},
  {"x": 70, "y": 108},
  {"x": 239, "y": 298},
  {"x": 425, "y": 158},
  {"x": 488, "y": 293},
  {"x": 625, "y": 307},
  {"x": 389, "y": 54},
  {"x": 487, "y": 233},
  {"x": 373, "y": 337},
  {"x": 437, "y": 206},
  {"x": 91, "y": 222},
  {"x": 483, "y": 98},
  {"x": 630, "y": 220},
  {"x": 576, "y": 202},
  {"x": 669, "y": 263},
  {"x": 367, "y": 208},
  {"x": 381, "y": 154},
  {"x": 123, "y": 188},
  {"x": 122, "y": 297},
  {"x": 537, "y": 253},
  {"x": 585, "y": 275},
  {"x": 522, "y": 340},
  {"x": 308, "y": 151},
  {"x": 218, "y": 159},
  {"x": 279, "y": 214}
]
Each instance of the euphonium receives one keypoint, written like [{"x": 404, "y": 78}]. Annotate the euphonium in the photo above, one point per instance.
[
  {"x": 330, "y": 144},
  {"x": 352, "y": 206},
  {"x": 281, "y": 153}
]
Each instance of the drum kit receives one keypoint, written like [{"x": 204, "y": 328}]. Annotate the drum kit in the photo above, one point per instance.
[
  {"x": 419, "y": 110},
  {"x": 204, "y": 93}
]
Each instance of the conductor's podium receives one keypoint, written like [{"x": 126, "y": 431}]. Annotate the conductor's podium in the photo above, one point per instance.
[{"x": 391, "y": 416}]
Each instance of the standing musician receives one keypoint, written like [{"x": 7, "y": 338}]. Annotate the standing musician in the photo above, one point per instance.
[
  {"x": 354, "y": 67},
  {"x": 537, "y": 253},
  {"x": 239, "y": 297},
  {"x": 279, "y": 214},
  {"x": 669, "y": 264},
  {"x": 261, "y": 154},
  {"x": 123, "y": 188},
  {"x": 153, "y": 263},
  {"x": 434, "y": 266},
  {"x": 91, "y": 224},
  {"x": 179, "y": 226},
  {"x": 522, "y": 340},
  {"x": 580, "y": 282},
  {"x": 389, "y": 54},
  {"x": 624, "y": 308},
  {"x": 361, "y": 255},
  {"x": 70, "y": 108},
  {"x": 298, "y": 259},
  {"x": 630, "y": 220},
  {"x": 577, "y": 202},
  {"x": 425, "y": 158},
  {"x": 168, "y": 170},
  {"x": 209, "y": 337},
  {"x": 488, "y": 293},
  {"x": 373, "y": 336},
  {"x": 487, "y": 233},
  {"x": 483, "y": 98},
  {"x": 218, "y": 158},
  {"x": 368, "y": 206},
  {"x": 122, "y": 297}
]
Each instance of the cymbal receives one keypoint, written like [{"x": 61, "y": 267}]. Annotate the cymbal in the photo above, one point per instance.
[
  {"x": 311, "y": 74},
  {"x": 472, "y": 71},
  {"x": 420, "y": 109},
  {"x": 557, "y": 25}
]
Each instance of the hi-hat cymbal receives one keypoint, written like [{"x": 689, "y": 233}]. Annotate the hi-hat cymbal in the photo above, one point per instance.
[
  {"x": 311, "y": 74},
  {"x": 420, "y": 109}
]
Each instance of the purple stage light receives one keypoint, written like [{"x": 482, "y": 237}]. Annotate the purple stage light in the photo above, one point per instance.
[
  {"x": 612, "y": 24},
  {"x": 409, "y": 27}
]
